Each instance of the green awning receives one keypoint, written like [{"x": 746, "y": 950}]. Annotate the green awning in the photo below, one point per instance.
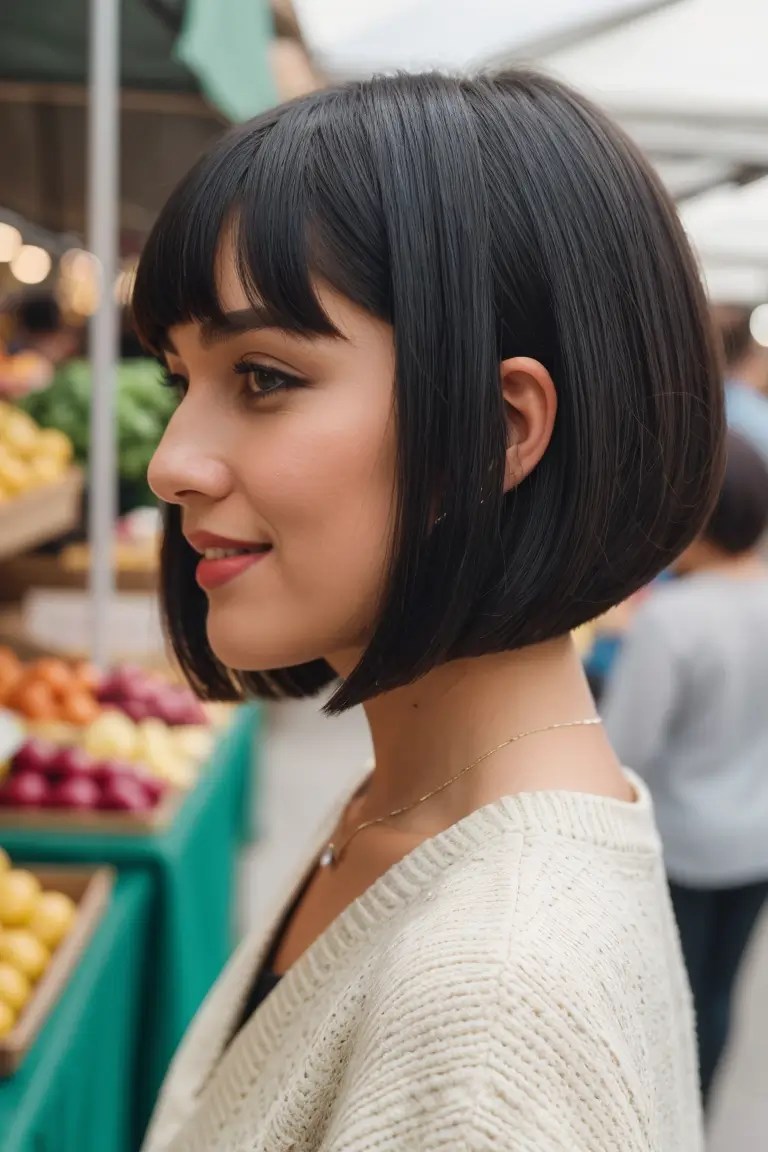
[
  {"x": 186, "y": 65},
  {"x": 226, "y": 44},
  {"x": 219, "y": 46},
  {"x": 46, "y": 42}
]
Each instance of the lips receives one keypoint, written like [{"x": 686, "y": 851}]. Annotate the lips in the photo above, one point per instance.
[{"x": 222, "y": 559}]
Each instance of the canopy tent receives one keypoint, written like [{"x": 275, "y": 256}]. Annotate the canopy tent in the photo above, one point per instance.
[
  {"x": 690, "y": 84},
  {"x": 354, "y": 39},
  {"x": 186, "y": 68},
  {"x": 729, "y": 229}
]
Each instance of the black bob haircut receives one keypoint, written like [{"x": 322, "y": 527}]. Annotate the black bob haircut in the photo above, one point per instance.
[
  {"x": 482, "y": 218},
  {"x": 740, "y": 517}
]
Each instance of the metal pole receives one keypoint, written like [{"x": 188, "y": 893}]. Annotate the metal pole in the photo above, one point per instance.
[{"x": 103, "y": 191}]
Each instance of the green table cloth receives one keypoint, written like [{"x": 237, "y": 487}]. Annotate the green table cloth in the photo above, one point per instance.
[
  {"x": 75, "y": 1090},
  {"x": 193, "y": 868}
]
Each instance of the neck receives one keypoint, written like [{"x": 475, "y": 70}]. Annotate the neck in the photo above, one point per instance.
[{"x": 427, "y": 732}]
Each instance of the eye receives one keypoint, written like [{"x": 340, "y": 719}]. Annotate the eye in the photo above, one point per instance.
[{"x": 263, "y": 380}]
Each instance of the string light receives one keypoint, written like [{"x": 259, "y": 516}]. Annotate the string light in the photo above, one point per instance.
[
  {"x": 31, "y": 264},
  {"x": 79, "y": 282},
  {"x": 758, "y": 325}
]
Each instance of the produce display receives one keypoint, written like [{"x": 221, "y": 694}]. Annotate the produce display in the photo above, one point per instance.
[
  {"x": 101, "y": 743},
  {"x": 46, "y": 775},
  {"x": 142, "y": 696},
  {"x": 143, "y": 407},
  {"x": 135, "y": 549},
  {"x": 23, "y": 372},
  {"x": 33, "y": 924},
  {"x": 30, "y": 456},
  {"x": 49, "y": 689}
]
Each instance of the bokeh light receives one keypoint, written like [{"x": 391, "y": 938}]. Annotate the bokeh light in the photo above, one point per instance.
[{"x": 31, "y": 264}]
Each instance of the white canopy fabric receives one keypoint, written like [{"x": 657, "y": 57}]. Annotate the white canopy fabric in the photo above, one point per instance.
[
  {"x": 729, "y": 230},
  {"x": 698, "y": 58},
  {"x": 350, "y": 38},
  {"x": 730, "y": 225},
  {"x": 690, "y": 83}
]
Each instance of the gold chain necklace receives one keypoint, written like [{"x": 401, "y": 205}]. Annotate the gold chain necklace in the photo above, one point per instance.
[{"x": 332, "y": 855}]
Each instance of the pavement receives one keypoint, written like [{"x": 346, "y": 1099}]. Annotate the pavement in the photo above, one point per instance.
[{"x": 311, "y": 762}]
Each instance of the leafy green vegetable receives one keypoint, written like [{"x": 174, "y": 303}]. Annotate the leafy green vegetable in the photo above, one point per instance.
[{"x": 143, "y": 407}]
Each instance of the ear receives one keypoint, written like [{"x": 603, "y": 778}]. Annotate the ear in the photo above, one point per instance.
[{"x": 530, "y": 407}]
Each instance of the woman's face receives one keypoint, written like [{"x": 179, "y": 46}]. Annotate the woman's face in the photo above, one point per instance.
[{"x": 283, "y": 449}]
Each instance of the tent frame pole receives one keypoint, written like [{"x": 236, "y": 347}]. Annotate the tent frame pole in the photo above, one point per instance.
[{"x": 103, "y": 192}]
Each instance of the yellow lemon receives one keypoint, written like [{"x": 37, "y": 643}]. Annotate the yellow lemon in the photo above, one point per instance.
[
  {"x": 15, "y": 989},
  {"x": 24, "y": 951},
  {"x": 20, "y": 432},
  {"x": 15, "y": 475},
  {"x": 5, "y": 861},
  {"x": 52, "y": 918},
  {"x": 54, "y": 444},
  {"x": 18, "y": 893},
  {"x": 44, "y": 470}
]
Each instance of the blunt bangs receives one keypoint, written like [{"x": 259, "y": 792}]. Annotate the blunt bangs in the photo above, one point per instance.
[{"x": 482, "y": 219}]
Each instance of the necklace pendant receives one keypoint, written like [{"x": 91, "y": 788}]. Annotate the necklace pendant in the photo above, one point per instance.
[{"x": 328, "y": 857}]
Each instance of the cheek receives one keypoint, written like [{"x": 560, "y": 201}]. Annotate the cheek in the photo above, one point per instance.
[{"x": 324, "y": 481}]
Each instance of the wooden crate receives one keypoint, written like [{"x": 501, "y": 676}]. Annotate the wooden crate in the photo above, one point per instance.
[
  {"x": 157, "y": 819},
  {"x": 34, "y": 570},
  {"x": 90, "y": 888},
  {"x": 41, "y": 515}
]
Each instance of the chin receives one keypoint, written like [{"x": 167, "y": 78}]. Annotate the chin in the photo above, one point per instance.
[{"x": 255, "y": 650}]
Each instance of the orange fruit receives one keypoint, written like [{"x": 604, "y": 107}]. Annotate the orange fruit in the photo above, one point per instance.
[
  {"x": 87, "y": 674},
  {"x": 79, "y": 708},
  {"x": 54, "y": 672},
  {"x": 35, "y": 700}
]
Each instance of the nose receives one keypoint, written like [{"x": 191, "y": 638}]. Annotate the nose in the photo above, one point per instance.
[{"x": 182, "y": 470}]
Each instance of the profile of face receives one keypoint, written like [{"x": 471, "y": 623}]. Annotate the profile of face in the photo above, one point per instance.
[
  {"x": 423, "y": 330},
  {"x": 283, "y": 445},
  {"x": 283, "y": 453}
]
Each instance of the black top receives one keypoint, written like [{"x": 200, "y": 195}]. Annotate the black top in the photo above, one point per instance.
[{"x": 266, "y": 981}]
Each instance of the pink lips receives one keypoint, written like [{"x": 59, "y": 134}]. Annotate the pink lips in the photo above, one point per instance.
[{"x": 214, "y": 573}]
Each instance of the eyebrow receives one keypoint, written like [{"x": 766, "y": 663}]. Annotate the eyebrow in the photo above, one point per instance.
[{"x": 232, "y": 323}]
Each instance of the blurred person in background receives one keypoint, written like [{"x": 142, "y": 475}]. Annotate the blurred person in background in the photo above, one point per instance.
[
  {"x": 746, "y": 376},
  {"x": 40, "y": 328},
  {"x": 407, "y": 320},
  {"x": 686, "y": 706}
]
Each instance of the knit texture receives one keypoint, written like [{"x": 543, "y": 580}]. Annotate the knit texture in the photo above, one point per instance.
[{"x": 514, "y": 983}]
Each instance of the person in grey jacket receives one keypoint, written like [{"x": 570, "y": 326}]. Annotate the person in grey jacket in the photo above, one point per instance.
[{"x": 686, "y": 708}]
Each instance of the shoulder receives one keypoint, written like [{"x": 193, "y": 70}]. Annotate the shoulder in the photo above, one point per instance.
[
  {"x": 529, "y": 895},
  {"x": 539, "y": 983},
  {"x": 672, "y": 609}
]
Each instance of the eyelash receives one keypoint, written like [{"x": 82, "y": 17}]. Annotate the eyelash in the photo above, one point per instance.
[{"x": 245, "y": 368}]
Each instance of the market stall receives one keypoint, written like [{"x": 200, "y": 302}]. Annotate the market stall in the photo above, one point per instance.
[
  {"x": 189, "y": 870},
  {"x": 76, "y": 1089}
]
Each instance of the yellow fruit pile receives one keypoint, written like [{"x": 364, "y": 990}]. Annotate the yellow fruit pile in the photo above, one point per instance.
[
  {"x": 32, "y": 925},
  {"x": 30, "y": 456},
  {"x": 171, "y": 754}
]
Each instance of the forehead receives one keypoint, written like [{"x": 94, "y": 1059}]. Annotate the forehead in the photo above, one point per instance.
[{"x": 229, "y": 290}]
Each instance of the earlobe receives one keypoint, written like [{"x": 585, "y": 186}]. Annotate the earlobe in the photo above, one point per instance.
[{"x": 530, "y": 407}]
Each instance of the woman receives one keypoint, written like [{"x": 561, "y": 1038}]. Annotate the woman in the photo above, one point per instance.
[
  {"x": 447, "y": 392},
  {"x": 686, "y": 707}
]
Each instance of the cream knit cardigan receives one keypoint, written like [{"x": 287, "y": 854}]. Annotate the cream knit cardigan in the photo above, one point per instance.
[{"x": 514, "y": 983}]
